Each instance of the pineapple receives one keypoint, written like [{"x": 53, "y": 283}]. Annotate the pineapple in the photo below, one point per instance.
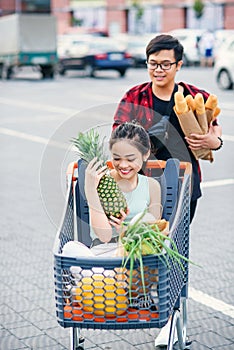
[{"x": 111, "y": 197}]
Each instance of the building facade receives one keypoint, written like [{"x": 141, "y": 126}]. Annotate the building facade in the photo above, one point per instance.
[{"x": 132, "y": 16}]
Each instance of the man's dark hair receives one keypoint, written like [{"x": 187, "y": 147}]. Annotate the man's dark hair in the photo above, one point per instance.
[{"x": 165, "y": 42}]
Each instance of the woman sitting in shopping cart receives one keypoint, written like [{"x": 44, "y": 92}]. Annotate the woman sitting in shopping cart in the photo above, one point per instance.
[{"x": 130, "y": 148}]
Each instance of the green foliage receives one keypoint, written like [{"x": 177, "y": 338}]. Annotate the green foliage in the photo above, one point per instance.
[
  {"x": 198, "y": 7},
  {"x": 89, "y": 145},
  {"x": 139, "y": 9}
]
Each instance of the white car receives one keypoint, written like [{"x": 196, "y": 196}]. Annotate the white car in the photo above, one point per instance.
[
  {"x": 189, "y": 38},
  {"x": 224, "y": 65},
  {"x": 221, "y": 35}
]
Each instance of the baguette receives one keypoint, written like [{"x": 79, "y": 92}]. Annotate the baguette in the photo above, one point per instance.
[
  {"x": 199, "y": 104},
  {"x": 190, "y": 102},
  {"x": 212, "y": 108},
  {"x": 216, "y": 112},
  {"x": 180, "y": 103},
  {"x": 212, "y": 102}
]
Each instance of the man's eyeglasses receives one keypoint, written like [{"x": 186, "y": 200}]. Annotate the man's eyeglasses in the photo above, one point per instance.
[{"x": 163, "y": 66}]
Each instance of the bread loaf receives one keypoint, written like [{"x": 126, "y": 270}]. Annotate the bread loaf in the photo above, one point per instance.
[
  {"x": 199, "y": 104},
  {"x": 180, "y": 103},
  {"x": 217, "y": 111},
  {"x": 212, "y": 102},
  {"x": 190, "y": 102}
]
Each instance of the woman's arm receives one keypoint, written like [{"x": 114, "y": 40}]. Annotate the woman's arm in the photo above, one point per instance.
[
  {"x": 155, "y": 206},
  {"x": 101, "y": 225}
]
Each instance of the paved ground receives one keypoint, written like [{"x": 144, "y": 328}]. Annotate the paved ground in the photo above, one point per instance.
[
  {"x": 27, "y": 313},
  {"x": 27, "y": 303}
]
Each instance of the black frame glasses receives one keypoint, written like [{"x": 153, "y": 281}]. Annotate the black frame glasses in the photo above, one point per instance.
[{"x": 163, "y": 66}]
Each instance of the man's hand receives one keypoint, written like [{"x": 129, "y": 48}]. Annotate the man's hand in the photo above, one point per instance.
[{"x": 207, "y": 141}]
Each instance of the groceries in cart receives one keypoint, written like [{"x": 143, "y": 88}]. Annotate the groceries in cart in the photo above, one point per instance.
[{"x": 110, "y": 293}]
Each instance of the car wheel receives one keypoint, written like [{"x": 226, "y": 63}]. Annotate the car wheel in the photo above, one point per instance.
[
  {"x": 9, "y": 72},
  {"x": 122, "y": 72},
  {"x": 224, "y": 80},
  {"x": 47, "y": 72},
  {"x": 60, "y": 69},
  {"x": 89, "y": 70}
]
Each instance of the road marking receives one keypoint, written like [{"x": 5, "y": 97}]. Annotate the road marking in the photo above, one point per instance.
[
  {"x": 33, "y": 138},
  {"x": 211, "y": 302},
  {"x": 228, "y": 138},
  {"x": 37, "y": 106},
  {"x": 217, "y": 183}
]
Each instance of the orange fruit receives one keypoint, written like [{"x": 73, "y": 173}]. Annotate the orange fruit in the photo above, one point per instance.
[
  {"x": 101, "y": 295},
  {"x": 77, "y": 315},
  {"x": 144, "y": 315},
  {"x": 67, "y": 311},
  {"x": 132, "y": 314}
]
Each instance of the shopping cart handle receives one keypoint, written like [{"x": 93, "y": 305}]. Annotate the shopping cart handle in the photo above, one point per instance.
[{"x": 71, "y": 171}]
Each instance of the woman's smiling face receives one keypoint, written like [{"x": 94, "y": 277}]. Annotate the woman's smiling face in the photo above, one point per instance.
[{"x": 127, "y": 159}]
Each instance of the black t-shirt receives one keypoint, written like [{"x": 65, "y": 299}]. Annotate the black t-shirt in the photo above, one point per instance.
[{"x": 176, "y": 146}]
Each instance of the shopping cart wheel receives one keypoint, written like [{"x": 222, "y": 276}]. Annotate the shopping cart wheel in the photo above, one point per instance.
[
  {"x": 81, "y": 344},
  {"x": 187, "y": 344},
  {"x": 76, "y": 340}
]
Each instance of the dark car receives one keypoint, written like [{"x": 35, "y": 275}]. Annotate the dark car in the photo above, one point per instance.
[
  {"x": 135, "y": 45},
  {"x": 93, "y": 54}
]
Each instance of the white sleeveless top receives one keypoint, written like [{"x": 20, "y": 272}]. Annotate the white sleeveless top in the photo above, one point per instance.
[{"x": 138, "y": 200}]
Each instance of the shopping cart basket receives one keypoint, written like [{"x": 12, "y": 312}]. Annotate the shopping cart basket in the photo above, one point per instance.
[{"x": 93, "y": 292}]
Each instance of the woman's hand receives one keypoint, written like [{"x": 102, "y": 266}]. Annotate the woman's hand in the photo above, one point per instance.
[
  {"x": 207, "y": 141},
  {"x": 93, "y": 173},
  {"x": 118, "y": 223}
]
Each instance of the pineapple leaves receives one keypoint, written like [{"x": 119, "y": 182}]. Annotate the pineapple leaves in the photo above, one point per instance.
[{"x": 89, "y": 146}]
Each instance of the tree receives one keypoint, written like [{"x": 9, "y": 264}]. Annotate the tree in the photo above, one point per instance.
[
  {"x": 139, "y": 9},
  {"x": 198, "y": 7}
]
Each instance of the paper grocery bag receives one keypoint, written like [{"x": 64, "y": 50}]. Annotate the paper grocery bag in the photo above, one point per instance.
[
  {"x": 205, "y": 154},
  {"x": 202, "y": 121},
  {"x": 189, "y": 125},
  {"x": 209, "y": 116}
]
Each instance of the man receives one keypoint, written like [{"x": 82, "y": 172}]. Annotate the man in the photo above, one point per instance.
[{"x": 148, "y": 102}]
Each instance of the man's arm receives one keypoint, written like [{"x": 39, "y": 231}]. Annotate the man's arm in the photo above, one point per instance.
[{"x": 123, "y": 112}]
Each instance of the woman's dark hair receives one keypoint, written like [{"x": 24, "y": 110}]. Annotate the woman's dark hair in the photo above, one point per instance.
[
  {"x": 133, "y": 132},
  {"x": 165, "y": 42}
]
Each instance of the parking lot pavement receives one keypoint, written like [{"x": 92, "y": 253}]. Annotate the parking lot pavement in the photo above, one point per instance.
[
  {"x": 27, "y": 313},
  {"x": 27, "y": 301}
]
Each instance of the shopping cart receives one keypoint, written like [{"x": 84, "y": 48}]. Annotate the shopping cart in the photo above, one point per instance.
[{"x": 93, "y": 292}]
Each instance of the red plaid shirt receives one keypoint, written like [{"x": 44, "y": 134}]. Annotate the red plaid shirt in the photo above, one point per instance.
[
  {"x": 141, "y": 95},
  {"x": 137, "y": 104}
]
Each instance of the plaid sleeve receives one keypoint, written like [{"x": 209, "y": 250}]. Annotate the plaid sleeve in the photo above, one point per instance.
[
  {"x": 124, "y": 110},
  {"x": 136, "y": 104},
  {"x": 193, "y": 90}
]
